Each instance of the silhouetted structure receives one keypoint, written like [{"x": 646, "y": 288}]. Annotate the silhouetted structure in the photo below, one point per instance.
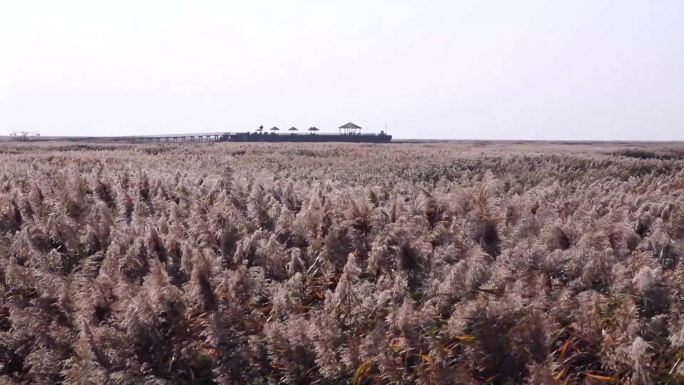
[
  {"x": 272, "y": 137},
  {"x": 350, "y": 132}
]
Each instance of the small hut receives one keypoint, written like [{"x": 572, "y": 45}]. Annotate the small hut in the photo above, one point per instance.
[
  {"x": 274, "y": 129},
  {"x": 350, "y": 129},
  {"x": 292, "y": 130},
  {"x": 313, "y": 130}
]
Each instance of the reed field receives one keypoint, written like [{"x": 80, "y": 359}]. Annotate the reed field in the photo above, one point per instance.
[{"x": 422, "y": 263}]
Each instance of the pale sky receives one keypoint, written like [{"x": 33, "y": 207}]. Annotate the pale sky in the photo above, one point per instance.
[{"x": 576, "y": 69}]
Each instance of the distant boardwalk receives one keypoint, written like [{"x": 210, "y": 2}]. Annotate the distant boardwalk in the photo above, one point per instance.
[{"x": 348, "y": 132}]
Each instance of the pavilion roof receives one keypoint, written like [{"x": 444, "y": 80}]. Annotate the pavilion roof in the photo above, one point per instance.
[{"x": 350, "y": 125}]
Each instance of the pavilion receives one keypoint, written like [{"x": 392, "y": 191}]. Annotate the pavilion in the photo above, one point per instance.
[{"x": 350, "y": 129}]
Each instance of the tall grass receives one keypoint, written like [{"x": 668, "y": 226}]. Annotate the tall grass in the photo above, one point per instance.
[{"x": 262, "y": 264}]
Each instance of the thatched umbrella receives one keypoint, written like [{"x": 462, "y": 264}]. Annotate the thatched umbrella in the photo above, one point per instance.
[
  {"x": 312, "y": 129},
  {"x": 292, "y": 129},
  {"x": 274, "y": 128}
]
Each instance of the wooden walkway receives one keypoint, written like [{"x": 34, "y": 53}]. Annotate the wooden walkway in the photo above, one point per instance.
[{"x": 194, "y": 137}]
